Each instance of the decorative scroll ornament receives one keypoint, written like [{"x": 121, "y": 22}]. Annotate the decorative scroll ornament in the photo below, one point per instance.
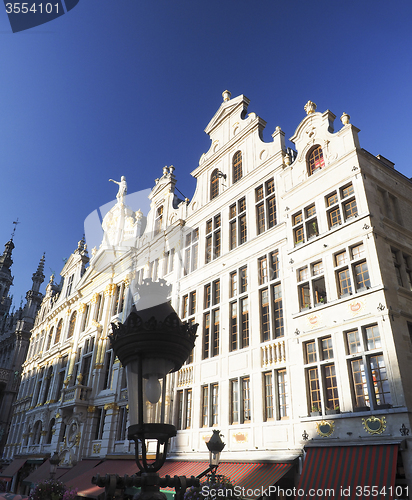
[
  {"x": 325, "y": 428},
  {"x": 374, "y": 425}
]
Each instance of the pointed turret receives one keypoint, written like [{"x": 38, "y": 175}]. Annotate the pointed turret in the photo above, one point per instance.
[
  {"x": 33, "y": 296},
  {"x": 6, "y": 279}
]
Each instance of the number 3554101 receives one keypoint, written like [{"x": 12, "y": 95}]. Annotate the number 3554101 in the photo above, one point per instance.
[{"x": 25, "y": 8}]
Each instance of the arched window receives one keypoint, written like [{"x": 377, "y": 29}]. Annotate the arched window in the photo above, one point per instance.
[
  {"x": 315, "y": 160},
  {"x": 49, "y": 339},
  {"x": 50, "y": 433},
  {"x": 37, "y": 432},
  {"x": 58, "y": 332},
  {"x": 237, "y": 166},
  {"x": 158, "y": 220},
  {"x": 214, "y": 184},
  {"x": 72, "y": 324}
]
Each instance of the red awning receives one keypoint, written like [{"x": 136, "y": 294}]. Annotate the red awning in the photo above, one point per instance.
[
  {"x": 84, "y": 482},
  {"x": 346, "y": 470},
  {"x": 250, "y": 476},
  {"x": 42, "y": 473},
  {"x": 81, "y": 468},
  {"x": 13, "y": 468}
]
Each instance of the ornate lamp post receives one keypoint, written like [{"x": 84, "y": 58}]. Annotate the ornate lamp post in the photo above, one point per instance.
[
  {"x": 54, "y": 462},
  {"x": 150, "y": 344},
  {"x": 215, "y": 446}
]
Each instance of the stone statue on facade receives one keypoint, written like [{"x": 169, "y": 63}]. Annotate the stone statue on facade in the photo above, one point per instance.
[{"x": 122, "y": 188}]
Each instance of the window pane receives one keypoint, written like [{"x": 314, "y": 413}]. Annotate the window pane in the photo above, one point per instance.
[
  {"x": 380, "y": 380},
  {"x": 373, "y": 337},
  {"x": 350, "y": 209},
  {"x": 234, "y": 386},
  {"x": 245, "y": 321},
  {"x": 347, "y": 191},
  {"x": 314, "y": 390},
  {"x": 274, "y": 265},
  {"x": 205, "y": 406},
  {"x": 362, "y": 276},
  {"x": 332, "y": 199},
  {"x": 262, "y": 270},
  {"x": 332, "y": 399},
  {"x": 259, "y": 193},
  {"x": 237, "y": 166},
  {"x": 278, "y": 310},
  {"x": 327, "y": 350},
  {"x": 316, "y": 160},
  {"x": 215, "y": 407},
  {"x": 283, "y": 393},
  {"x": 264, "y": 314},
  {"x": 359, "y": 383},
  {"x": 344, "y": 282},
  {"x": 353, "y": 340},
  {"x": 233, "y": 326},
  {"x": 242, "y": 229},
  {"x": 233, "y": 284},
  {"x": 260, "y": 215},
  {"x": 334, "y": 217},
  {"x": 246, "y": 399},
  {"x": 311, "y": 352},
  {"x": 268, "y": 396},
  {"x": 206, "y": 335},
  {"x": 271, "y": 205}
]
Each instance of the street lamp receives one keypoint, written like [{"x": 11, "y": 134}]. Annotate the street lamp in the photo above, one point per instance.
[
  {"x": 152, "y": 343},
  {"x": 215, "y": 445},
  {"x": 54, "y": 462}
]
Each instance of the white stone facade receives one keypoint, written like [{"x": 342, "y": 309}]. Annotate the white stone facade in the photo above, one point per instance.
[{"x": 297, "y": 266}]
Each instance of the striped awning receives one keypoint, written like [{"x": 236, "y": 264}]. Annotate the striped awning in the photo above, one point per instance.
[
  {"x": 250, "y": 476},
  {"x": 247, "y": 475},
  {"x": 349, "y": 472}
]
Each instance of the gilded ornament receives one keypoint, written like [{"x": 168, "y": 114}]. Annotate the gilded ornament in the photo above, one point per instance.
[
  {"x": 325, "y": 427},
  {"x": 95, "y": 298},
  {"x": 82, "y": 307},
  {"x": 97, "y": 448},
  {"x": 111, "y": 406},
  {"x": 91, "y": 409},
  {"x": 310, "y": 107},
  {"x": 345, "y": 119},
  {"x": 374, "y": 425}
]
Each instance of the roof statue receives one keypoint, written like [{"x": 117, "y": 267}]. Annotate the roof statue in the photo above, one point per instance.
[{"x": 122, "y": 189}]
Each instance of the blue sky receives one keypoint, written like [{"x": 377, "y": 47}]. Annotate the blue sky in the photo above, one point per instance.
[{"x": 125, "y": 87}]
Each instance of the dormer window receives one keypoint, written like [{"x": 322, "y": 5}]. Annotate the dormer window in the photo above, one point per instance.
[
  {"x": 237, "y": 166},
  {"x": 315, "y": 160},
  {"x": 214, "y": 184},
  {"x": 158, "y": 220}
]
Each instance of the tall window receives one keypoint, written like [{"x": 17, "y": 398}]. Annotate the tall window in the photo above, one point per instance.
[
  {"x": 214, "y": 184},
  {"x": 239, "y": 309},
  {"x": 321, "y": 375},
  {"x": 240, "y": 403},
  {"x": 270, "y": 297},
  {"x": 351, "y": 267},
  {"x": 184, "y": 409},
  {"x": 210, "y": 405},
  {"x": 121, "y": 424},
  {"x": 99, "y": 305},
  {"x": 191, "y": 252},
  {"x": 237, "y": 224},
  {"x": 99, "y": 429},
  {"x": 315, "y": 160},
  {"x": 69, "y": 285},
  {"x": 213, "y": 239},
  {"x": 311, "y": 286},
  {"x": 276, "y": 391},
  {"x": 158, "y": 220},
  {"x": 188, "y": 314},
  {"x": 86, "y": 316},
  {"x": 58, "y": 332},
  {"x": 265, "y": 206},
  {"x": 370, "y": 380},
  {"x": 168, "y": 261},
  {"x": 49, "y": 338},
  {"x": 211, "y": 320},
  {"x": 341, "y": 203},
  {"x": 118, "y": 302},
  {"x": 305, "y": 225},
  {"x": 237, "y": 166},
  {"x": 72, "y": 324}
]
